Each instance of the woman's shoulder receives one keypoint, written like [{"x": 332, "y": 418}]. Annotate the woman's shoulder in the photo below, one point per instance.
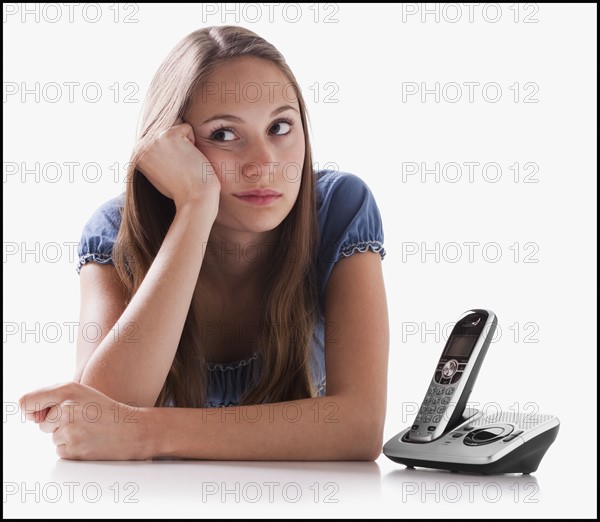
[
  {"x": 343, "y": 196},
  {"x": 336, "y": 183},
  {"x": 343, "y": 199},
  {"x": 106, "y": 218},
  {"x": 107, "y": 215},
  {"x": 100, "y": 232},
  {"x": 112, "y": 207},
  {"x": 348, "y": 217}
]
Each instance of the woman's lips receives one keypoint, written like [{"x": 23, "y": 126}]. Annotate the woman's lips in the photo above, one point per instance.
[
  {"x": 258, "y": 197},
  {"x": 259, "y": 200}
]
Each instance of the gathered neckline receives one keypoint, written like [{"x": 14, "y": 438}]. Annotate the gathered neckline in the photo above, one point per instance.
[{"x": 233, "y": 365}]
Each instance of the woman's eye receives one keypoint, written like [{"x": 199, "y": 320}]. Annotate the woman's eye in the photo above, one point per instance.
[
  {"x": 279, "y": 128},
  {"x": 287, "y": 127},
  {"x": 219, "y": 133}
]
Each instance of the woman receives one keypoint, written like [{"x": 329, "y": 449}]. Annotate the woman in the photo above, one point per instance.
[{"x": 212, "y": 279}]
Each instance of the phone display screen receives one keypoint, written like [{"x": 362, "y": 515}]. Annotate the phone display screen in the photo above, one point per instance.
[
  {"x": 464, "y": 337},
  {"x": 460, "y": 346}
]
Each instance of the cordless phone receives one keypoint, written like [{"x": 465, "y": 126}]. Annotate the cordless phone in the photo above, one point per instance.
[
  {"x": 447, "y": 435},
  {"x": 454, "y": 376}
]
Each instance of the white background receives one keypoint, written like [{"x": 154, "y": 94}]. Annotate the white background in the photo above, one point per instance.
[{"x": 533, "y": 261}]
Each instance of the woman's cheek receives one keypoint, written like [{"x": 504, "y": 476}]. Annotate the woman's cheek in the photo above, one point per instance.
[
  {"x": 223, "y": 164},
  {"x": 294, "y": 154}
]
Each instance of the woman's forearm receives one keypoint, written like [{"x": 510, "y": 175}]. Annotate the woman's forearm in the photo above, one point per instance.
[
  {"x": 132, "y": 367},
  {"x": 323, "y": 428}
]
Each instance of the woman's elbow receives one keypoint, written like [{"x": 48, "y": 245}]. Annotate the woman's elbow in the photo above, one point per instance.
[
  {"x": 373, "y": 446},
  {"x": 366, "y": 440}
]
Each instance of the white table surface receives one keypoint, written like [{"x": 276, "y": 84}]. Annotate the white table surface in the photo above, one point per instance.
[{"x": 39, "y": 484}]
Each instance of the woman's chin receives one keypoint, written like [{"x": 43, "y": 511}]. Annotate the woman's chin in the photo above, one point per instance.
[{"x": 250, "y": 225}]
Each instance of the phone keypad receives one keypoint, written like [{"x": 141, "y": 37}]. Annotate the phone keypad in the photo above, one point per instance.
[{"x": 434, "y": 405}]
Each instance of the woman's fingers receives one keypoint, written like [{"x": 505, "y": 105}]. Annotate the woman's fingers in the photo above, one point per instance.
[
  {"x": 40, "y": 416},
  {"x": 52, "y": 420},
  {"x": 58, "y": 437},
  {"x": 46, "y": 406},
  {"x": 45, "y": 398},
  {"x": 61, "y": 451},
  {"x": 80, "y": 419},
  {"x": 189, "y": 133},
  {"x": 177, "y": 168},
  {"x": 60, "y": 414}
]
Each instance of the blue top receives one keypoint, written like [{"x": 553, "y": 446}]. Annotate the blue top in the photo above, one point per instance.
[{"x": 349, "y": 221}]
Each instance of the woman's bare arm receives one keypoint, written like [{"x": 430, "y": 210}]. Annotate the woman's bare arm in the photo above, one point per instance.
[
  {"x": 103, "y": 299},
  {"x": 132, "y": 362},
  {"x": 347, "y": 424}
]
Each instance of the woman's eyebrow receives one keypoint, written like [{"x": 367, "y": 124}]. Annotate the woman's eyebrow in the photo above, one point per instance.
[{"x": 231, "y": 117}]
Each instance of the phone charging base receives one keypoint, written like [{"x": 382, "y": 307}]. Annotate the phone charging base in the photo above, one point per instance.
[{"x": 505, "y": 442}]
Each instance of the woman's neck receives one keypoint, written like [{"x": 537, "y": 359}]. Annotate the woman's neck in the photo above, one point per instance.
[{"x": 239, "y": 259}]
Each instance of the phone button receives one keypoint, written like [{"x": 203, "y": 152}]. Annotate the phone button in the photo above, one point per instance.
[
  {"x": 445, "y": 381},
  {"x": 449, "y": 391},
  {"x": 415, "y": 427},
  {"x": 456, "y": 377},
  {"x": 512, "y": 436},
  {"x": 461, "y": 367},
  {"x": 450, "y": 368},
  {"x": 487, "y": 435},
  {"x": 431, "y": 428},
  {"x": 457, "y": 435},
  {"x": 438, "y": 376}
]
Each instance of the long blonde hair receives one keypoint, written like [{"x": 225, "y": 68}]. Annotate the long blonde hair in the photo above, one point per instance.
[{"x": 288, "y": 305}]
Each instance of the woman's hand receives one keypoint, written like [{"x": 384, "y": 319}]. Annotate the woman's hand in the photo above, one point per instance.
[
  {"x": 86, "y": 424},
  {"x": 177, "y": 168}
]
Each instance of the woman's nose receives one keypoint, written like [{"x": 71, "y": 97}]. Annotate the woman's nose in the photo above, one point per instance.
[{"x": 260, "y": 163}]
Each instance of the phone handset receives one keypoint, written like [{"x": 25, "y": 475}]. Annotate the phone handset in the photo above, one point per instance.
[{"x": 454, "y": 376}]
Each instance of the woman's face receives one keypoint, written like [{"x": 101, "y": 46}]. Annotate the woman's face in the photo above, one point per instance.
[{"x": 246, "y": 122}]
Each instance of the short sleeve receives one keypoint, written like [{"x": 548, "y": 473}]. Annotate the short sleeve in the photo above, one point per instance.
[
  {"x": 99, "y": 233},
  {"x": 349, "y": 220}
]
